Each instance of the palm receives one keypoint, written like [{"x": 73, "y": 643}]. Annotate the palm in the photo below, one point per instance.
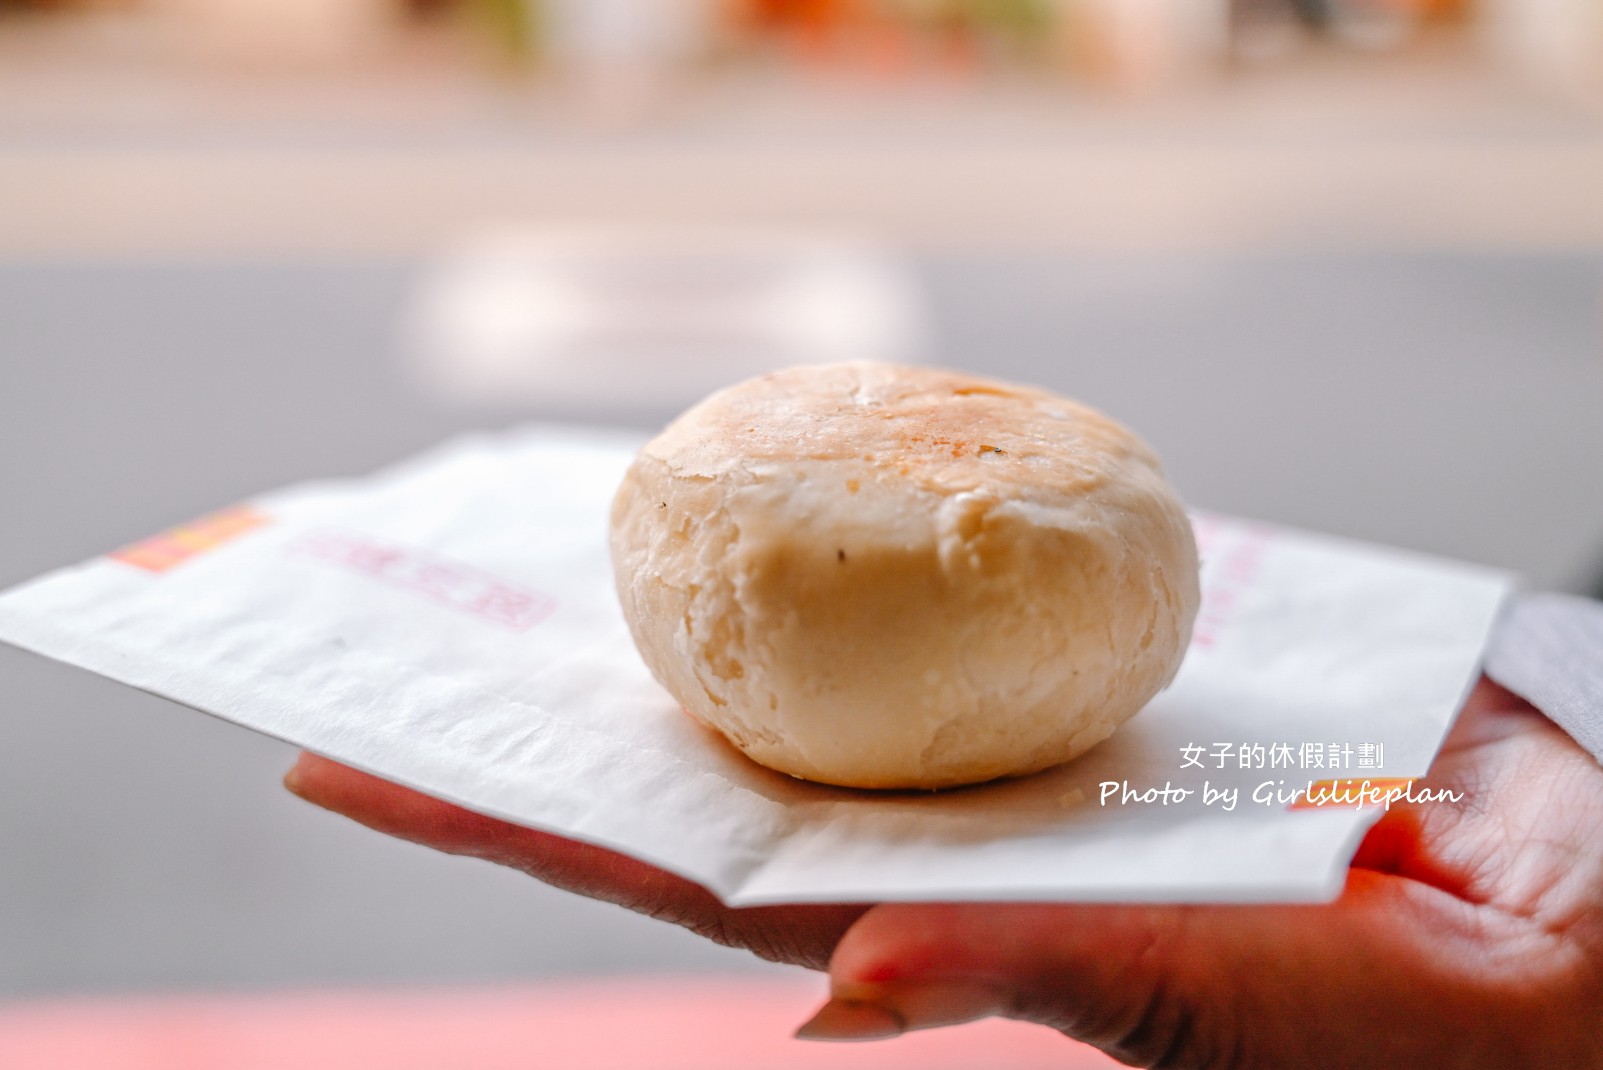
[
  {"x": 1469, "y": 934},
  {"x": 1527, "y": 840}
]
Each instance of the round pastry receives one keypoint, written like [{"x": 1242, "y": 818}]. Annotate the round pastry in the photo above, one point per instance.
[{"x": 891, "y": 577}]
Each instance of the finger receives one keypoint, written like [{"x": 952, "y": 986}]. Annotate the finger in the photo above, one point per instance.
[
  {"x": 1175, "y": 985},
  {"x": 803, "y": 936}
]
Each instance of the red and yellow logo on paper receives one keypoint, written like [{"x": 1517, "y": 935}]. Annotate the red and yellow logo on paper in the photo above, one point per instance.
[{"x": 177, "y": 545}]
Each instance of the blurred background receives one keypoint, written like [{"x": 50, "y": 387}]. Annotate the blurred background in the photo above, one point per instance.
[{"x": 1340, "y": 261}]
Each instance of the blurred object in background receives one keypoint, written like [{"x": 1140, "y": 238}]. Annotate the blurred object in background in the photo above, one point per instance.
[
  {"x": 1266, "y": 29},
  {"x": 625, "y": 321},
  {"x": 620, "y": 54},
  {"x": 514, "y": 26},
  {"x": 1557, "y": 43},
  {"x": 630, "y": 50},
  {"x": 283, "y": 31},
  {"x": 1142, "y": 45},
  {"x": 892, "y": 37},
  {"x": 1125, "y": 44}
]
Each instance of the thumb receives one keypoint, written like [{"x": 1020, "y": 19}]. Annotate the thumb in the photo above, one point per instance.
[
  {"x": 1189, "y": 986},
  {"x": 1094, "y": 972}
]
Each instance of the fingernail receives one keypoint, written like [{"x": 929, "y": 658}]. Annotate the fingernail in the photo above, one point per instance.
[
  {"x": 294, "y": 779},
  {"x": 878, "y": 1011},
  {"x": 847, "y": 1019}
]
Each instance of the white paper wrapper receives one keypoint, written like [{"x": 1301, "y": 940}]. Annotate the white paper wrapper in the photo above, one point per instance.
[{"x": 451, "y": 624}]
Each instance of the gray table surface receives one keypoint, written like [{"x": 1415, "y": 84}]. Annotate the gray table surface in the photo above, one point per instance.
[{"x": 1452, "y": 404}]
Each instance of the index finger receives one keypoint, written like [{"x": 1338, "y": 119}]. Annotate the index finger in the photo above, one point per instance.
[{"x": 799, "y": 935}]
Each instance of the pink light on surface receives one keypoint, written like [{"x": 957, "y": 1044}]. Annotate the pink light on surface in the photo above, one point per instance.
[{"x": 668, "y": 1023}]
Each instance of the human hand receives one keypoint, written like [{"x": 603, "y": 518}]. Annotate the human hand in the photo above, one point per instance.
[{"x": 1468, "y": 935}]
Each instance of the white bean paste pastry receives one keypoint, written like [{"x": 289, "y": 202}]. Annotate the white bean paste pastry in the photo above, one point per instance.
[{"x": 892, "y": 577}]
